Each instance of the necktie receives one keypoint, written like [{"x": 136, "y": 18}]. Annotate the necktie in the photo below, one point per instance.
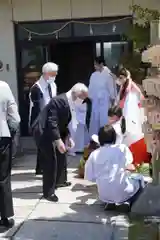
[{"x": 50, "y": 91}]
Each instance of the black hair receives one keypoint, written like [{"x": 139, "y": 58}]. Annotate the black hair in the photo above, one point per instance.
[
  {"x": 107, "y": 135},
  {"x": 116, "y": 69},
  {"x": 100, "y": 60},
  {"x": 124, "y": 72},
  {"x": 93, "y": 144},
  {"x": 117, "y": 111}
]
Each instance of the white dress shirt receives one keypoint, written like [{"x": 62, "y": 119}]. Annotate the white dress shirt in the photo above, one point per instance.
[
  {"x": 43, "y": 85},
  {"x": 107, "y": 167}
]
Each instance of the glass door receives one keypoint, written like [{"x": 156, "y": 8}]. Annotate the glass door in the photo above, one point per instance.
[
  {"x": 112, "y": 52},
  {"x": 31, "y": 62}
]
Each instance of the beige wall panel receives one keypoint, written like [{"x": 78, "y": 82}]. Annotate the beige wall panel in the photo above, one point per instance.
[
  {"x": 27, "y": 10},
  {"x": 116, "y": 7},
  {"x": 7, "y": 46},
  {"x": 56, "y": 9},
  {"x": 86, "y": 8}
]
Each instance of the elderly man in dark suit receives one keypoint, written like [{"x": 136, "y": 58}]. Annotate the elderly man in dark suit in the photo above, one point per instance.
[
  {"x": 56, "y": 140},
  {"x": 40, "y": 94}
]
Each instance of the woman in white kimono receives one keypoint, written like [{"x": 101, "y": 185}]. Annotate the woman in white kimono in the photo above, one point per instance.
[
  {"x": 129, "y": 101},
  {"x": 102, "y": 92}
]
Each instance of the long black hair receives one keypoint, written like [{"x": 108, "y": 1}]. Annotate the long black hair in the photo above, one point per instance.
[
  {"x": 123, "y": 72},
  {"x": 117, "y": 111}
]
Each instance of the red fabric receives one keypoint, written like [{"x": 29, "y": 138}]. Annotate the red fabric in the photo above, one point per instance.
[{"x": 139, "y": 151}]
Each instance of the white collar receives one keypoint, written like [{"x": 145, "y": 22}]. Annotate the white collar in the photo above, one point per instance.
[
  {"x": 70, "y": 100},
  {"x": 42, "y": 83}
]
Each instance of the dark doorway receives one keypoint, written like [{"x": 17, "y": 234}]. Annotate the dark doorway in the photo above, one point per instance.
[{"x": 75, "y": 62}]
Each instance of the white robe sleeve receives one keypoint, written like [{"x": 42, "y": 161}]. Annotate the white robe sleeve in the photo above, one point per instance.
[
  {"x": 132, "y": 114},
  {"x": 128, "y": 156},
  {"x": 81, "y": 113},
  {"x": 89, "y": 169},
  {"x": 111, "y": 87},
  {"x": 131, "y": 111}
]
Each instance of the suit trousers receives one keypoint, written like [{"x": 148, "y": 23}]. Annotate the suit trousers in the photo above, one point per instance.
[
  {"x": 6, "y": 202},
  {"x": 54, "y": 168},
  {"x": 39, "y": 161}
]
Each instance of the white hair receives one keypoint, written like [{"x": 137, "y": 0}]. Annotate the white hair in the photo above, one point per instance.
[
  {"x": 78, "y": 88},
  {"x": 49, "y": 67}
]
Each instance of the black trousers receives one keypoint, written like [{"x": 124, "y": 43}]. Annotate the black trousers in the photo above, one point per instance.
[
  {"x": 6, "y": 202},
  {"x": 39, "y": 161},
  {"x": 54, "y": 168}
]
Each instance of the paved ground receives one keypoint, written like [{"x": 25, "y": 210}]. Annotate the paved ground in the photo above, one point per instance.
[{"x": 78, "y": 215}]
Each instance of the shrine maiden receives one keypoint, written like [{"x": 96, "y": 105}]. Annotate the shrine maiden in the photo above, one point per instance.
[
  {"x": 102, "y": 92},
  {"x": 117, "y": 120},
  {"x": 129, "y": 100}
]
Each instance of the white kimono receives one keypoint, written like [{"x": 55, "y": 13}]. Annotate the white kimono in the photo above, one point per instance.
[
  {"x": 81, "y": 130},
  {"x": 107, "y": 167},
  {"x": 102, "y": 89},
  {"x": 134, "y": 118},
  {"x": 118, "y": 130}
]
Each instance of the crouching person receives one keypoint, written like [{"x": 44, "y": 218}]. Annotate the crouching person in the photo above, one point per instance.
[{"x": 111, "y": 168}]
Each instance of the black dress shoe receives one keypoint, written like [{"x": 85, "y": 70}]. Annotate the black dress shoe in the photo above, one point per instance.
[
  {"x": 39, "y": 172},
  {"x": 52, "y": 198},
  {"x": 110, "y": 207},
  {"x": 7, "y": 223},
  {"x": 66, "y": 184}
]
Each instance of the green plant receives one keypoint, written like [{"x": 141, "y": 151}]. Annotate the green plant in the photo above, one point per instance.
[{"x": 139, "y": 34}]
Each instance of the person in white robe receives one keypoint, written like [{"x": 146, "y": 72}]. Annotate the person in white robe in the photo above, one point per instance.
[
  {"x": 81, "y": 128},
  {"x": 40, "y": 95},
  {"x": 102, "y": 92},
  {"x": 80, "y": 131},
  {"x": 109, "y": 167}
]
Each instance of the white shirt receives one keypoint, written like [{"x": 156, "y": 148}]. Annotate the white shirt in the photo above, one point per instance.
[
  {"x": 43, "y": 85},
  {"x": 73, "y": 124},
  {"x": 106, "y": 166}
]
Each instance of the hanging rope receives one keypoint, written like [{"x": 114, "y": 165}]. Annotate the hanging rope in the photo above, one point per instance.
[{"x": 73, "y": 21}]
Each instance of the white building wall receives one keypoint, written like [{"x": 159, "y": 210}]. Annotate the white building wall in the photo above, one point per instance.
[{"x": 7, "y": 46}]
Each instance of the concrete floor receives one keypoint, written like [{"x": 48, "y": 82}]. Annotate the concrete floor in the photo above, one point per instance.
[{"x": 78, "y": 215}]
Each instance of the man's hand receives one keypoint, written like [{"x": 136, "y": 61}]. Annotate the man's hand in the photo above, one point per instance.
[
  {"x": 61, "y": 146},
  {"x": 70, "y": 143}
]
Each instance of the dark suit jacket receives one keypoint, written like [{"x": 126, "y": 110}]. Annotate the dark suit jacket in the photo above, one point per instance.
[
  {"x": 58, "y": 116},
  {"x": 36, "y": 96}
]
